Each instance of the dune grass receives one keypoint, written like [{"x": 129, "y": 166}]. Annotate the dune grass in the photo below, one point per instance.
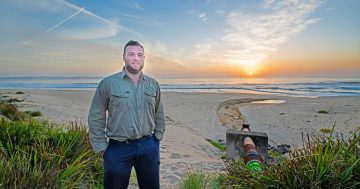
[
  {"x": 11, "y": 112},
  {"x": 325, "y": 130},
  {"x": 324, "y": 162},
  {"x": 217, "y": 144},
  {"x": 34, "y": 113},
  {"x": 38, "y": 154},
  {"x": 201, "y": 180}
]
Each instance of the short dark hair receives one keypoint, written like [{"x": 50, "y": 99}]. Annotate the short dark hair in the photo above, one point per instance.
[{"x": 133, "y": 43}]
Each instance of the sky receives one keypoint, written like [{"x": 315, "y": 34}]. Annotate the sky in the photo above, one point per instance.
[{"x": 182, "y": 38}]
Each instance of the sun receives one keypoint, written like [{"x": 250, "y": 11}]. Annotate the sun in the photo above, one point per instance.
[
  {"x": 250, "y": 68},
  {"x": 248, "y": 65}
]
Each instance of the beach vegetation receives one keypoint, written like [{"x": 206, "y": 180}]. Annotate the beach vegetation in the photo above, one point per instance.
[
  {"x": 323, "y": 162},
  {"x": 19, "y": 92},
  {"x": 133, "y": 178},
  {"x": 217, "y": 144},
  {"x": 325, "y": 130},
  {"x": 39, "y": 154},
  {"x": 224, "y": 156},
  {"x": 201, "y": 180},
  {"x": 34, "y": 113},
  {"x": 273, "y": 154},
  {"x": 11, "y": 112},
  {"x": 323, "y": 112}
]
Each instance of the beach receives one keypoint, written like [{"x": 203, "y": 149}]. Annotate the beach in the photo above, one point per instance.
[{"x": 193, "y": 117}]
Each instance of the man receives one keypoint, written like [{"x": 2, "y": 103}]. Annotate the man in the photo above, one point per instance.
[{"x": 127, "y": 110}]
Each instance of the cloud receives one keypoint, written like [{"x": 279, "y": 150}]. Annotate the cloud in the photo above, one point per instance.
[
  {"x": 141, "y": 20},
  {"x": 138, "y": 7},
  {"x": 205, "y": 48},
  {"x": 203, "y": 16},
  {"x": 61, "y": 56},
  {"x": 200, "y": 14},
  {"x": 39, "y": 5},
  {"x": 221, "y": 12},
  {"x": 65, "y": 19},
  {"x": 207, "y": 2},
  {"x": 93, "y": 26},
  {"x": 161, "y": 49},
  {"x": 268, "y": 3},
  {"x": 135, "y": 6},
  {"x": 253, "y": 37}
]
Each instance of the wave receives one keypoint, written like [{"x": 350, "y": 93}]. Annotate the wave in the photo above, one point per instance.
[{"x": 290, "y": 87}]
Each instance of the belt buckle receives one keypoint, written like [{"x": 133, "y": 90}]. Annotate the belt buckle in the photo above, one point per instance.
[
  {"x": 131, "y": 141},
  {"x": 128, "y": 141}
]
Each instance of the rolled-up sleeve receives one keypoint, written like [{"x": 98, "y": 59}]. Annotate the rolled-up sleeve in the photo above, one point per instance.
[
  {"x": 159, "y": 116},
  {"x": 97, "y": 118}
]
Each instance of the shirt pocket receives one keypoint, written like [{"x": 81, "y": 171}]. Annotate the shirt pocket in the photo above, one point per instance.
[
  {"x": 150, "y": 96},
  {"x": 119, "y": 99}
]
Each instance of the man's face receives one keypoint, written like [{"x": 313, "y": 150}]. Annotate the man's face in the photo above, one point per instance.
[{"x": 134, "y": 59}]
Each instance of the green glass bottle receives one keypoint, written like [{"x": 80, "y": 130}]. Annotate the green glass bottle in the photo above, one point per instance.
[{"x": 254, "y": 165}]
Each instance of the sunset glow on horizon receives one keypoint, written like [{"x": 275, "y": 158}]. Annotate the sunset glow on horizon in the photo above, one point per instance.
[{"x": 182, "y": 39}]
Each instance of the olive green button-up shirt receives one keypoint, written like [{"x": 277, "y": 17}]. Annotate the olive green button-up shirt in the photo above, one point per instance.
[{"x": 121, "y": 111}]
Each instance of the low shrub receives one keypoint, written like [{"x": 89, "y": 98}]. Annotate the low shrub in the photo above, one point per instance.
[
  {"x": 10, "y": 111},
  {"x": 323, "y": 112}
]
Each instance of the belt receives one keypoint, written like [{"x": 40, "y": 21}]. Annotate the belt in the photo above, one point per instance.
[{"x": 132, "y": 141}]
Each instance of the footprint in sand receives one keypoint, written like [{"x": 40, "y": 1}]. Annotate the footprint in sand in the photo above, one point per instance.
[
  {"x": 179, "y": 156},
  {"x": 209, "y": 151},
  {"x": 169, "y": 120},
  {"x": 171, "y": 179}
]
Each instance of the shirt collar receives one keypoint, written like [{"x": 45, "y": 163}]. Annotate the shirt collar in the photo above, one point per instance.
[{"x": 123, "y": 74}]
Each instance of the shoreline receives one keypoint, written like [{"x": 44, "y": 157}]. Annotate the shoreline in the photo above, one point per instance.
[
  {"x": 193, "y": 91},
  {"x": 192, "y": 118}
]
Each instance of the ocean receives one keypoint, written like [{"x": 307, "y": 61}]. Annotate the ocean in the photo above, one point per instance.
[{"x": 307, "y": 87}]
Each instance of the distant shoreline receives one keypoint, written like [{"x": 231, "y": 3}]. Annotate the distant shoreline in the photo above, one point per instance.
[{"x": 296, "y": 87}]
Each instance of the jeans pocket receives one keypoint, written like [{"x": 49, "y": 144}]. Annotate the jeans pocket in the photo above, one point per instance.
[
  {"x": 156, "y": 142},
  {"x": 105, "y": 151}
]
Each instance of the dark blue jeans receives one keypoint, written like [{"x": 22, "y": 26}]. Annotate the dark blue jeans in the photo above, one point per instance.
[{"x": 120, "y": 157}]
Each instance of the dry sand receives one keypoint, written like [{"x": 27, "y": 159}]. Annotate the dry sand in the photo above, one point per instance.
[{"x": 193, "y": 117}]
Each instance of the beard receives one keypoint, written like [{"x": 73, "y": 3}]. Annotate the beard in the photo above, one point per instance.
[{"x": 132, "y": 70}]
